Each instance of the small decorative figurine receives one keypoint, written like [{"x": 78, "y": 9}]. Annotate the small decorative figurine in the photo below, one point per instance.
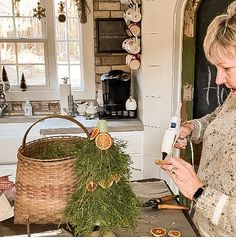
[
  {"x": 23, "y": 83},
  {"x": 5, "y": 79}
]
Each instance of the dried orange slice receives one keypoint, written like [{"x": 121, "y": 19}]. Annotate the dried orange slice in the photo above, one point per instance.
[
  {"x": 158, "y": 162},
  {"x": 107, "y": 183},
  {"x": 116, "y": 178},
  {"x": 94, "y": 133},
  {"x": 103, "y": 141},
  {"x": 158, "y": 232},
  {"x": 174, "y": 233},
  {"x": 91, "y": 186}
]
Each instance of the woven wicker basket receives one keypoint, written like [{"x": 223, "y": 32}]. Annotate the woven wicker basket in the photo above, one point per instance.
[{"x": 43, "y": 186}]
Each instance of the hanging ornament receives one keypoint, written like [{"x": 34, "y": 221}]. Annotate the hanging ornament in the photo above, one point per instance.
[
  {"x": 39, "y": 12},
  {"x": 17, "y": 7},
  {"x": 91, "y": 186},
  {"x": 103, "y": 141},
  {"x": 83, "y": 9},
  {"x": 61, "y": 16}
]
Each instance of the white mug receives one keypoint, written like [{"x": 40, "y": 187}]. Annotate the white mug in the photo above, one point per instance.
[
  {"x": 133, "y": 30},
  {"x": 133, "y": 14},
  {"x": 132, "y": 61},
  {"x": 131, "y": 45}
]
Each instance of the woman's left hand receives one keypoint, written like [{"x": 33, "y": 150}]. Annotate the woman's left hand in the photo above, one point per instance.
[{"x": 183, "y": 175}]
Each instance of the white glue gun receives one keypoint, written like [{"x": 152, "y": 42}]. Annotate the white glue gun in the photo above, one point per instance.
[{"x": 171, "y": 135}]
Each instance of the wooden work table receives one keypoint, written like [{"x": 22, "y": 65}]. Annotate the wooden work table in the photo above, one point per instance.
[{"x": 149, "y": 217}]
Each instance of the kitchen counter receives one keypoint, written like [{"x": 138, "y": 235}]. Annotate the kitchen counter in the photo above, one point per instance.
[
  {"x": 149, "y": 217},
  {"x": 62, "y": 126},
  {"x": 19, "y": 119}
]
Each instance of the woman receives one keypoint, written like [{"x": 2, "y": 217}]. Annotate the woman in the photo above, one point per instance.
[{"x": 213, "y": 190}]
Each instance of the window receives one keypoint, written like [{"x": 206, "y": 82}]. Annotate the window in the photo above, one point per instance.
[{"x": 46, "y": 50}]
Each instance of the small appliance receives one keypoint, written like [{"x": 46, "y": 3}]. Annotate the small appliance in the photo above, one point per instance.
[{"x": 116, "y": 87}]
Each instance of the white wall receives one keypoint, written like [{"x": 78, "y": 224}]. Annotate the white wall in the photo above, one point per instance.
[{"x": 160, "y": 75}]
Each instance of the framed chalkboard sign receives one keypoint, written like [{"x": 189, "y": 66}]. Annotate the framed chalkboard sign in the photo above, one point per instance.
[
  {"x": 207, "y": 95},
  {"x": 111, "y": 32}
]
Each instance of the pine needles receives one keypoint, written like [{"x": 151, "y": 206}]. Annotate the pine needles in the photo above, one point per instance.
[{"x": 114, "y": 207}]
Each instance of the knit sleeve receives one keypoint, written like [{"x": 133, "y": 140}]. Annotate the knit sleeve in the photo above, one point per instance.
[
  {"x": 201, "y": 124},
  {"x": 219, "y": 208}
]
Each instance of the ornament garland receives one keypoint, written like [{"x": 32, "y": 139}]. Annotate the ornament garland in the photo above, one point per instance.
[
  {"x": 17, "y": 7},
  {"x": 61, "y": 16}
]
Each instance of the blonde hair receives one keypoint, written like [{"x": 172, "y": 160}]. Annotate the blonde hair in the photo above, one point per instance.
[{"x": 220, "y": 38}]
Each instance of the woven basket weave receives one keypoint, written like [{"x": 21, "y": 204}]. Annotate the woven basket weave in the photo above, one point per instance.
[{"x": 43, "y": 186}]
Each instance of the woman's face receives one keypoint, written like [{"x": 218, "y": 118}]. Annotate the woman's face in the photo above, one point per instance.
[{"x": 226, "y": 71}]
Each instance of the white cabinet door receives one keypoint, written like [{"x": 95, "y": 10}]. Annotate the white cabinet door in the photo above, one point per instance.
[{"x": 134, "y": 142}]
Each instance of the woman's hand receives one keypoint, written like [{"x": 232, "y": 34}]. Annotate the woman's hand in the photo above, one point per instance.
[
  {"x": 183, "y": 175},
  {"x": 185, "y": 131}
]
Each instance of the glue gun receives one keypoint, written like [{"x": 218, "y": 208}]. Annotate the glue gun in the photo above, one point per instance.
[{"x": 171, "y": 135}]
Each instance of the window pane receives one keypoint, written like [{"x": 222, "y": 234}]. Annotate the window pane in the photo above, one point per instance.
[
  {"x": 74, "y": 52},
  {"x": 73, "y": 29},
  {"x": 71, "y": 9},
  {"x": 30, "y": 52},
  {"x": 61, "y": 30},
  {"x": 75, "y": 75},
  {"x": 28, "y": 28},
  {"x": 62, "y": 71},
  {"x": 6, "y": 27},
  {"x": 11, "y": 73},
  {"x": 26, "y": 7},
  {"x": 62, "y": 52},
  {"x": 5, "y": 8},
  {"x": 34, "y": 74},
  {"x": 8, "y": 53}
]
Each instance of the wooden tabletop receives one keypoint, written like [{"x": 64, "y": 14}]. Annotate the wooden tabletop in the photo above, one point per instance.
[{"x": 149, "y": 217}]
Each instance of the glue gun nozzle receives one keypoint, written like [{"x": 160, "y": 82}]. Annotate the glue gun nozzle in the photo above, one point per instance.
[{"x": 164, "y": 154}]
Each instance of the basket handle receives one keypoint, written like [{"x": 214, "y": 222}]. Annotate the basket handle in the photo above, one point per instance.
[{"x": 55, "y": 116}]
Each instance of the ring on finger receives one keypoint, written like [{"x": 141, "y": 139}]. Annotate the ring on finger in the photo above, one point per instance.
[{"x": 173, "y": 170}]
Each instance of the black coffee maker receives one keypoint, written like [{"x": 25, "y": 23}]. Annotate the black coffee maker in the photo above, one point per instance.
[{"x": 116, "y": 90}]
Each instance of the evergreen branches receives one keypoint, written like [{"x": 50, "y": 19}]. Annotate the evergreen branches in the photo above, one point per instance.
[{"x": 114, "y": 207}]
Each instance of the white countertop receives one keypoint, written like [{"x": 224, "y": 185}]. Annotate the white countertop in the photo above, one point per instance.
[{"x": 63, "y": 126}]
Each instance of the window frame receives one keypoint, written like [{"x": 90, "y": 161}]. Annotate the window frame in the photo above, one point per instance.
[{"x": 51, "y": 92}]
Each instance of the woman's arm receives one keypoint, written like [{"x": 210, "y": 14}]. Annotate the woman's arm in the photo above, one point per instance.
[
  {"x": 199, "y": 125},
  {"x": 219, "y": 208},
  {"x": 214, "y": 205}
]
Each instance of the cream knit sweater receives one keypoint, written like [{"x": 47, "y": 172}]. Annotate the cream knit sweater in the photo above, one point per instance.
[{"x": 215, "y": 211}]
